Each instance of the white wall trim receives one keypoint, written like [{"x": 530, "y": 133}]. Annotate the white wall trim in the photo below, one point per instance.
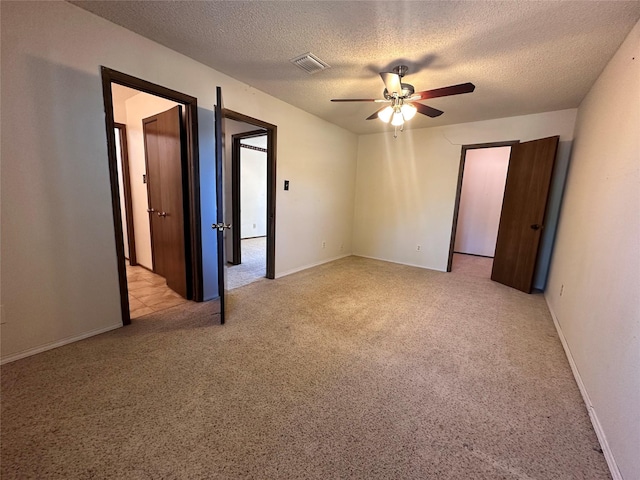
[
  {"x": 60, "y": 343},
  {"x": 399, "y": 263},
  {"x": 602, "y": 438},
  {"x": 311, "y": 265}
]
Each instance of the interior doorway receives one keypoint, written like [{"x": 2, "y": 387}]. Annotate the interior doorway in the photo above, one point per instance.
[
  {"x": 484, "y": 175},
  {"x": 151, "y": 197},
  {"x": 247, "y": 253},
  {"x": 481, "y": 184},
  {"x": 523, "y": 211},
  {"x": 190, "y": 251},
  {"x": 250, "y": 202}
]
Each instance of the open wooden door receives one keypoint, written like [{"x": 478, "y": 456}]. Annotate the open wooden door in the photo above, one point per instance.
[
  {"x": 221, "y": 226},
  {"x": 163, "y": 139},
  {"x": 523, "y": 210}
]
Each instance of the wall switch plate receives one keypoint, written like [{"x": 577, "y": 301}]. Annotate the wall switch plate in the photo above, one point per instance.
[{"x": 286, "y": 184}]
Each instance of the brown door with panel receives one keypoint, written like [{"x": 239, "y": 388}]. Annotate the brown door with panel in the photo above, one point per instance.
[
  {"x": 523, "y": 211},
  {"x": 163, "y": 139}
]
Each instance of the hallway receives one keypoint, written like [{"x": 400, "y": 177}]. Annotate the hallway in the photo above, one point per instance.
[{"x": 149, "y": 292}]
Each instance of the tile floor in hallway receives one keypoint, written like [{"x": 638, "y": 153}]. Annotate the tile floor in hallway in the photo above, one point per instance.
[{"x": 149, "y": 292}]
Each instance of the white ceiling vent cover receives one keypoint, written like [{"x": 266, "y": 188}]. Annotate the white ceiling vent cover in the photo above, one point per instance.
[{"x": 309, "y": 63}]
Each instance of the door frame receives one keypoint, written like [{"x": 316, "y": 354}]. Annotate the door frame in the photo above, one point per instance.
[
  {"x": 126, "y": 186},
  {"x": 191, "y": 187},
  {"x": 456, "y": 208},
  {"x": 236, "y": 190},
  {"x": 272, "y": 133}
]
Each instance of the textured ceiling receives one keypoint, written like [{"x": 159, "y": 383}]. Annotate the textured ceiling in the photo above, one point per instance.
[{"x": 523, "y": 56}]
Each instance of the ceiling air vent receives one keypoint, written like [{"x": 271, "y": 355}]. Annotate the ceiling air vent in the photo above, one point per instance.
[{"x": 309, "y": 63}]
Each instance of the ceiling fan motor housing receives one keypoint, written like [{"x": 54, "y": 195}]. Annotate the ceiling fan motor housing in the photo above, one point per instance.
[{"x": 407, "y": 91}]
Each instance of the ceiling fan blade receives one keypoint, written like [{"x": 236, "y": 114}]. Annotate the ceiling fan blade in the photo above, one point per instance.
[
  {"x": 354, "y": 100},
  {"x": 374, "y": 115},
  {"x": 445, "y": 91},
  {"x": 427, "y": 110},
  {"x": 392, "y": 82}
]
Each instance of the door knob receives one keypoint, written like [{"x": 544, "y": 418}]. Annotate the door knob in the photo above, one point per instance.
[
  {"x": 220, "y": 226},
  {"x": 536, "y": 226},
  {"x": 151, "y": 210},
  {"x": 162, "y": 214}
]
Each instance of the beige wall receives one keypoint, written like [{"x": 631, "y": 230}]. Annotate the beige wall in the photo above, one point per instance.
[
  {"x": 406, "y": 187},
  {"x": 59, "y": 269},
  {"x": 594, "y": 283},
  {"x": 120, "y": 94}
]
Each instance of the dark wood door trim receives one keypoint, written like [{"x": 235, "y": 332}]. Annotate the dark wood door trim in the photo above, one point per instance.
[
  {"x": 126, "y": 183},
  {"x": 236, "y": 191},
  {"x": 236, "y": 254},
  {"x": 456, "y": 208},
  {"x": 272, "y": 133},
  {"x": 192, "y": 221}
]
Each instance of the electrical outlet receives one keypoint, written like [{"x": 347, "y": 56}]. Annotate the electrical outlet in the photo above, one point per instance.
[
  {"x": 418, "y": 247},
  {"x": 324, "y": 244}
]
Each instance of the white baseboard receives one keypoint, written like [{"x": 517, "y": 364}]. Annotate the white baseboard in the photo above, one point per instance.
[
  {"x": 602, "y": 438},
  {"x": 311, "y": 265},
  {"x": 59, "y": 343}
]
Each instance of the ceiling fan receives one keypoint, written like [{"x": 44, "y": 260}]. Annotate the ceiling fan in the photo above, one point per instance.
[{"x": 403, "y": 99}]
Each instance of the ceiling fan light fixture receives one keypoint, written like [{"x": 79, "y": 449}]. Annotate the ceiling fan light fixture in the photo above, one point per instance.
[
  {"x": 397, "y": 120},
  {"x": 385, "y": 114},
  {"x": 408, "y": 111}
]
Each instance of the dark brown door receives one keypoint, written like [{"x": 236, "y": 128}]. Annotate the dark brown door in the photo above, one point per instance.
[
  {"x": 523, "y": 209},
  {"x": 163, "y": 150},
  {"x": 154, "y": 192},
  {"x": 221, "y": 226}
]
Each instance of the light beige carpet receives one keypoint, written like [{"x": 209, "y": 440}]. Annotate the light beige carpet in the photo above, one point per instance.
[
  {"x": 472, "y": 265},
  {"x": 354, "y": 369}
]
